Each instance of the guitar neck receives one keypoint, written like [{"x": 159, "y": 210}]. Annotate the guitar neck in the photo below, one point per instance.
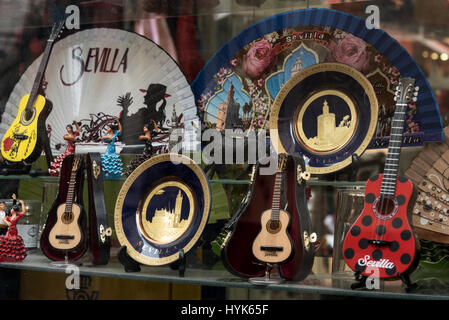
[
  {"x": 40, "y": 74},
  {"x": 71, "y": 192},
  {"x": 275, "y": 206},
  {"x": 394, "y": 151}
]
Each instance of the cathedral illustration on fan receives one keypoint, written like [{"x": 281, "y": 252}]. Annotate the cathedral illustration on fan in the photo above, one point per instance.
[
  {"x": 155, "y": 103},
  {"x": 228, "y": 112}
]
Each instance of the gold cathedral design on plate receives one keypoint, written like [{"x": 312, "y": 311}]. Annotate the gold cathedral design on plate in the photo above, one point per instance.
[
  {"x": 166, "y": 223},
  {"x": 169, "y": 218},
  {"x": 330, "y": 136}
]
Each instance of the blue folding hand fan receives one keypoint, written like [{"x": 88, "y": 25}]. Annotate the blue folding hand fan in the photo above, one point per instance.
[{"x": 240, "y": 84}]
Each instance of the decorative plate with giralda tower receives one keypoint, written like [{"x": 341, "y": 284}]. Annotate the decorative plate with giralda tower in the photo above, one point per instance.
[
  {"x": 327, "y": 112},
  {"x": 97, "y": 75},
  {"x": 240, "y": 86}
]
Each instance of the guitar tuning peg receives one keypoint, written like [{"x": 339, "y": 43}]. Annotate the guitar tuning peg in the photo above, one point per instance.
[
  {"x": 415, "y": 94},
  {"x": 395, "y": 98},
  {"x": 415, "y": 99},
  {"x": 416, "y": 88}
]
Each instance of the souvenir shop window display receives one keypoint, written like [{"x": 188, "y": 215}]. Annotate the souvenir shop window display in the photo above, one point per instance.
[
  {"x": 111, "y": 162},
  {"x": 70, "y": 137},
  {"x": 12, "y": 248}
]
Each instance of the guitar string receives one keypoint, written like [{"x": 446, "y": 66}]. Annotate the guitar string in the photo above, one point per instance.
[
  {"x": 397, "y": 131},
  {"x": 70, "y": 194}
]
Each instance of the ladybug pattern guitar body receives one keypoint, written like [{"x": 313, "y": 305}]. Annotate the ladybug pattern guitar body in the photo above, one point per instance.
[{"x": 381, "y": 242}]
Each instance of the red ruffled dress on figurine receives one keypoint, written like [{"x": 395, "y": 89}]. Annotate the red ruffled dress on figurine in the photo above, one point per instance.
[
  {"x": 56, "y": 164},
  {"x": 12, "y": 248}
]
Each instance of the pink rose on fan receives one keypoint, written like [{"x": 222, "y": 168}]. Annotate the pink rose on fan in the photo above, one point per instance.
[
  {"x": 413, "y": 127},
  {"x": 394, "y": 72},
  {"x": 258, "y": 58},
  {"x": 377, "y": 58},
  {"x": 352, "y": 51}
]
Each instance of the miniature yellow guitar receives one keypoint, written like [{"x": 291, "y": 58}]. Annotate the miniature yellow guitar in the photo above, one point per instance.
[{"x": 27, "y": 135}]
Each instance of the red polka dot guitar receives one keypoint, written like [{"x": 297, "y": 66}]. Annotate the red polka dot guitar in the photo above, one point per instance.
[{"x": 381, "y": 242}]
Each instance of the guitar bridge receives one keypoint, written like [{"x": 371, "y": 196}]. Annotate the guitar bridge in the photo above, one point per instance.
[
  {"x": 380, "y": 242},
  {"x": 266, "y": 248},
  {"x": 20, "y": 136},
  {"x": 64, "y": 237}
]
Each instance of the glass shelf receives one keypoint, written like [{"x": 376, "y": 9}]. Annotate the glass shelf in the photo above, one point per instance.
[
  {"x": 219, "y": 181},
  {"x": 322, "y": 284},
  {"x": 56, "y": 179}
]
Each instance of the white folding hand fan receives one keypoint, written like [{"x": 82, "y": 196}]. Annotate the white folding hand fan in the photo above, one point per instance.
[{"x": 97, "y": 75}]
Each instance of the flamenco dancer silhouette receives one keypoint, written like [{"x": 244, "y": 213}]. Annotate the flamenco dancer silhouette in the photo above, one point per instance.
[{"x": 155, "y": 102}]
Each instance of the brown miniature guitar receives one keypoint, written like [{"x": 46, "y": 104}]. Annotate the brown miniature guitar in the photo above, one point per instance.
[
  {"x": 67, "y": 234},
  {"x": 273, "y": 243}
]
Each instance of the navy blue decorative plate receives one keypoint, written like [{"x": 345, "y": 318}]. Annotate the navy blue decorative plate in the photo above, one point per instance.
[
  {"x": 163, "y": 207},
  {"x": 327, "y": 112},
  {"x": 251, "y": 68}
]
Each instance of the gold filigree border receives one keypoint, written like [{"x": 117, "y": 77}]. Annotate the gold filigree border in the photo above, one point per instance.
[
  {"x": 300, "y": 76},
  {"x": 133, "y": 253}
]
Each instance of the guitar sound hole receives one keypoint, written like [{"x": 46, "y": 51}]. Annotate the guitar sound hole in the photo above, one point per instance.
[
  {"x": 385, "y": 207},
  {"x": 28, "y": 115},
  {"x": 67, "y": 217},
  {"x": 273, "y": 226}
]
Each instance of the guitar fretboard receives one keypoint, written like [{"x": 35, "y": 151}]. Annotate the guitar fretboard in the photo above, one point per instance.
[
  {"x": 394, "y": 151},
  {"x": 275, "y": 206},
  {"x": 40, "y": 75},
  {"x": 71, "y": 190}
]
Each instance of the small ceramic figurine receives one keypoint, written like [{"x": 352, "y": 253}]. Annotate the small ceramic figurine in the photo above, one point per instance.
[
  {"x": 147, "y": 150},
  {"x": 12, "y": 248},
  {"x": 70, "y": 137},
  {"x": 111, "y": 162}
]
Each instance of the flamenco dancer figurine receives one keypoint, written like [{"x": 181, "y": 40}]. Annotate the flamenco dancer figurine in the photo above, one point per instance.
[
  {"x": 110, "y": 161},
  {"x": 147, "y": 150},
  {"x": 70, "y": 137},
  {"x": 12, "y": 248}
]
